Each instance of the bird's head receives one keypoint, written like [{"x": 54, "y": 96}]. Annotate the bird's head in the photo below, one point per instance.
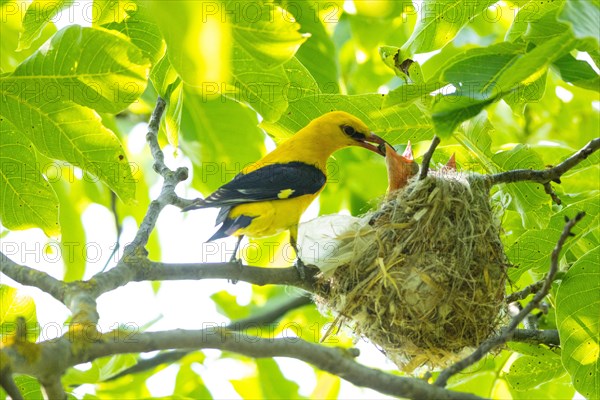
[{"x": 338, "y": 129}]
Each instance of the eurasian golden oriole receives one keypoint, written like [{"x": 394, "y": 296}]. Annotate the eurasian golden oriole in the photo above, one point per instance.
[{"x": 270, "y": 196}]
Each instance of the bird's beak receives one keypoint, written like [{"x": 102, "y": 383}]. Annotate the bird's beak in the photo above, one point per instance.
[{"x": 373, "y": 143}]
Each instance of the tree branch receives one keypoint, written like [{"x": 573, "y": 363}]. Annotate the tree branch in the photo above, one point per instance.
[
  {"x": 522, "y": 294},
  {"x": 549, "y": 337},
  {"x": 259, "y": 319},
  {"x": 508, "y": 332},
  {"x": 548, "y": 175},
  {"x": 334, "y": 360},
  {"x": 6, "y": 380},
  {"x": 32, "y": 277},
  {"x": 427, "y": 158}
]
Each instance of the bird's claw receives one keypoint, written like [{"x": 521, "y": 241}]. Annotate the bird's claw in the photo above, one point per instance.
[{"x": 238, "y": 261}]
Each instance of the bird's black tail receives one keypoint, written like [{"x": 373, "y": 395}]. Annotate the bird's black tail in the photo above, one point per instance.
[{"x": 197, "y": 204}]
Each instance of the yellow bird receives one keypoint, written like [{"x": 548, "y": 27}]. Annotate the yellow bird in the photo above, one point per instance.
[{"x": 271, "y": 195}]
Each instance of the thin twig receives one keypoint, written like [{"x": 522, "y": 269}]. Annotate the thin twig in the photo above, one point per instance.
[
  {"x": 259, "y": 319},
  {"x": 152, "y": 138},
  {"x": 549, "y": 337},
  {"x": 427, "y": 158},
  {"x": 548, "y": 175},
  {"x": 522, "y": 294},
  {"x": 508, "y": 332}
]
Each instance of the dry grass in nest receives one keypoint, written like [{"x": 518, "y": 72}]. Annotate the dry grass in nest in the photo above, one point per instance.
[{"x": 426, "y": 279}]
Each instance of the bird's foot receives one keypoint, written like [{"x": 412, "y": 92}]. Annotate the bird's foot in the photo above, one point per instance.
[
  {"x": 240, "y": 265},
  {"x": 301, "y": 268}
]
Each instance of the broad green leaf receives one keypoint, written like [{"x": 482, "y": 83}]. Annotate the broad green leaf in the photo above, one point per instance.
[
  {"x": 501, "y": 76},
  {"x": 101, "y": 369},
  {"x": 15, "y": 304},
  {"x": 439, "y": 22},
  {"x": 164, "y": 77},
  {"x": 406, "y": 94},
  {"x": 578, "y": 319},
  {"x": 139, "y": 26},
  {"x": 29, "y": 387},
  {"x": 189, "y": 384},
  {"x": 12, "y": 15},
  {"x": 172, "y": 119},
  {"x": 198, "y": 41},
  {"x": 301, "y": 81},
  {"x": 268, "y": 33},
  {"x": 265, "y": 90},
  {"x": 96, "y": 68},
  {"x": 38, "y": 15},
  {"x": 318, "y": 53},
  {"x": 394, "y": 124},
  {"x": 65, "y": 131},
  {"x": 260, "y": 385},
  {"x": 528, "y": 198},
  {"x": 531, "y": 13},
  {"x": 529, "y": 371},
  {"x": 578, "y": 72},
  {"x": 108, "y": 11},
  {"x": 583, "y": 16},
  {"x": 533, "y": 248},
  {"x": 220, "y": 136},
  {"x": 27, "y": 199}
]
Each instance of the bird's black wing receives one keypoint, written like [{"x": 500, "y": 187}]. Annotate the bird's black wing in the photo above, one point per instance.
[{"x": 271, "y": 182}]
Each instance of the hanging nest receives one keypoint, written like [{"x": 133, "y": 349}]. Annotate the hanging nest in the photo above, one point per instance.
[{"x": 424, "y": 274}]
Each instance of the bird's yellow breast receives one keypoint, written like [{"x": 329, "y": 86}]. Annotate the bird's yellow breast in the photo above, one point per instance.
[{"x": 271, "y": 217}]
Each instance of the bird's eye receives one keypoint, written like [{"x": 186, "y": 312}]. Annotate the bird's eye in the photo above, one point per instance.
[{"x": 348, "y": 130}]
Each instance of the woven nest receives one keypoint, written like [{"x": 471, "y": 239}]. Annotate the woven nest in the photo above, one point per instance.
[{"x": 426, "y": 277}]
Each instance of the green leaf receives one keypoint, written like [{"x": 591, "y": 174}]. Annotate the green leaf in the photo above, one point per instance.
[
  {"x": 189, "y": 384},
  {"x": 69, "y": 69},
  {"x": 394, "y": 124},
  {"x": 220, "y": 136},
  {"x": 15, "y": 304},
  {"x": 268, "y": 33},
  {"x": 318, "y": 53},
  {"x": 583, "y": 16},
  {"x": 139, "y": 26},
  {"x": 530, "y": 14},
  {"x": 578, "y": 319},
  {"x": 530, "y": 371},
  {"x": 100, "y": 370},
  {"x": 533, "y": 248},
  {"x": 261, "y": 384},
  {"x": 578, "y": 72},
  {"x": 27, "y": 199},
  {"x": 29, "y": 387},
  {"x": 503, "y": 71},
  {"x": 38, "y": 15},
  {"x": 528, "y": 198},
  {"x": 440, "y": 21},
  {"x": 185, "y": 35},
  {"x": 265, "y": 90}
]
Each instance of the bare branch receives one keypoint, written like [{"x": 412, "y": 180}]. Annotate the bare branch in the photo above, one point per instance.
[
  {"x": 32, "y": 277},
  {"x": 259, "y": 319},
  {"x": 548, "y": 175},
  {"x": 522, "y": 294},
  {"x": 508, "y": 332},
  {"x": 549, "y": 337},
  {"x": 7, "y": 382},
  {"x": 152, "y": 138},
  {"x": 143, "y": 270},
  {"x": 427, "y": 158},
  {"x": 334, "y": 360},
  {"x": 54, "y": 389}
]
